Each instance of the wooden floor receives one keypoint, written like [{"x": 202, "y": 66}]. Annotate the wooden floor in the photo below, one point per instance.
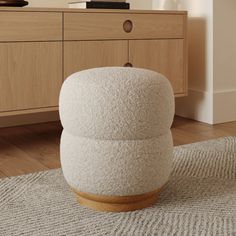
[{"x": 33, "y": 148}]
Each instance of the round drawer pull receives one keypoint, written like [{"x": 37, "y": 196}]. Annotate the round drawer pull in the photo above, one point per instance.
[
  {"x": 128, "y": 64},
  {"x": 128, "y": 26}
]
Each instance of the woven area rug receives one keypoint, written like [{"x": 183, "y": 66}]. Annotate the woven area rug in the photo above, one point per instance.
[{"x": 200, "y": 199}]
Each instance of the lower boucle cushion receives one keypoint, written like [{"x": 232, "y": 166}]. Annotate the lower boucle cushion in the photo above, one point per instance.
[{"x": 116, "y": 167}]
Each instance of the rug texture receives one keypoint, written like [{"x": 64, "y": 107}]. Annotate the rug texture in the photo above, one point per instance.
[{"x": 200, "y": 199}]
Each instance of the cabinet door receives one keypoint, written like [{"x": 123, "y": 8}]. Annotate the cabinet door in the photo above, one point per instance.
[
  {"x": 81, "y": 55},
  {"x": 30, "y": 75},
  {"x": 164, "y": 56}
]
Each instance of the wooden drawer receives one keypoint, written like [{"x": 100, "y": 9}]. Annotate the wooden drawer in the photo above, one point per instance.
[
  {"x": 82, "y": 55},
  {"x": 30, "y": 75},
  {"x": 30, "y": 26},
  {"x": 164, "y": 56},
  {"x": 95, "y": 26}
]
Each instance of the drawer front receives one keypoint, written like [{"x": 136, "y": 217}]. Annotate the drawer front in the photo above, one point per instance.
[
  {"x": 84, "y": 55},
  {"x": 164, "y": 56},
  {"x": 30, "y": 26},
  {"x": 95, "y": 26},
  {"x": 30, "y": 75}
]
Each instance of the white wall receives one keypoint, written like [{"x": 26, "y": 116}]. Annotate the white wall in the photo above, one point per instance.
[
  {"x": 224, "y": 44},
  {"x": 48, "y": 3},
  {"x": 140, "y": 4},
  {"x": 224, "y": 61},
  {"x": 212, "y": 59},
  {"x": 199, "y": 104}
]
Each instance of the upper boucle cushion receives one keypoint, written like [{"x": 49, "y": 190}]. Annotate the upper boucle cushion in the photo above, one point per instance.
[{"x": 117, "y": 103}]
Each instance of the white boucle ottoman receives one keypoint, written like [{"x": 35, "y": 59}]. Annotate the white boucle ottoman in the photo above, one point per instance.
[{"x": 116, "y": 147}]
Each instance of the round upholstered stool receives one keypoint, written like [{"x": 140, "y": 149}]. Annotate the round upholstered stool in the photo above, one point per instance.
[{"x": 116, "y": 146}]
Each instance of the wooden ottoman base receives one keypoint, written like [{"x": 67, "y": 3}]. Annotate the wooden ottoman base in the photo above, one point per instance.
[{"x": 117, "y": 204}]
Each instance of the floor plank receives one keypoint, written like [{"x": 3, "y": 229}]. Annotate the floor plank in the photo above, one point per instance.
[
  {"x": 33, "y": 148},
  {"x": 42, "y": 148},
  {"x": 15, "y": 161},
  {"x": 2, "y": 175},
  {"x": 189, "y": 131},
  {"x": 49, "y": 131}
]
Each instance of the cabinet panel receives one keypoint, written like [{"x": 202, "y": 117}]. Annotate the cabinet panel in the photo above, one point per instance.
[
  {"x": 30, "y": 75},
  {"x": 90, "y": 54},
  {"x": 90, "y": 26},
  {"x": 30, "y": 26},
  {"x": 164, "y": 56}
]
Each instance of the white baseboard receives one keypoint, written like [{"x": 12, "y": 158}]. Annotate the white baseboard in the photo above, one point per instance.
[
  {"x": 198, "y": 105},
  {"x": 211, "y": 108},
  {"x": 224, "y": 106}
]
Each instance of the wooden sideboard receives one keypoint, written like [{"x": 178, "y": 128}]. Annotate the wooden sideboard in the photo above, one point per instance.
[{"x": 39, "y": 48}]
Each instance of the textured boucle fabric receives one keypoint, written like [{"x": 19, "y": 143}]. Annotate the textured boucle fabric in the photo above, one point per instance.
[
  {"x": 116, "y": 139},
  {"x": 198, "y": 200},
  {"x": 121, "y": 168},
  {"x": 117, "y": 103}
]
